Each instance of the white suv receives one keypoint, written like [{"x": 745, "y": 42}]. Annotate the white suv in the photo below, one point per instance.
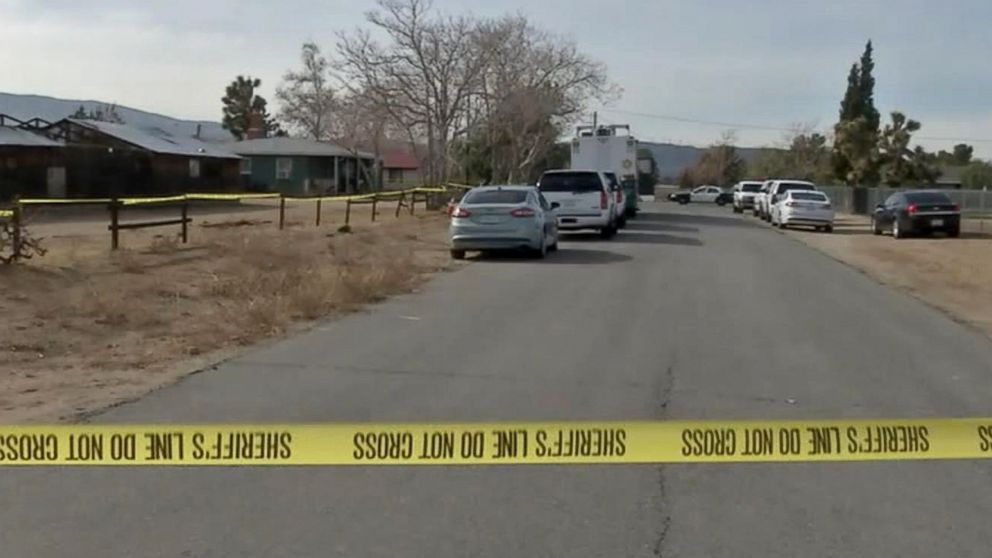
[
  {"x": 744, "y": 193},
  {"x": 584, "y": 199},
  {"x": 777, "y": 190}
]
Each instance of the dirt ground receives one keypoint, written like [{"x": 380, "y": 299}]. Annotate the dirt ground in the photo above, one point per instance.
[
  {"x": 83, "y": 328},
  {"x": 953, "y": 274}
]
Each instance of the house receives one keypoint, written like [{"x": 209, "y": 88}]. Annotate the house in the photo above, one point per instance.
[
  {"x": 31, "y": 165},
  {"x": 300, "y": 166},
  {"x": 400, "y": 167},
  {"x": 111, "y": 159}
]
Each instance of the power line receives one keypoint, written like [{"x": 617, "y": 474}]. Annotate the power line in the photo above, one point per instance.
[{"x": 741, "y": 126}]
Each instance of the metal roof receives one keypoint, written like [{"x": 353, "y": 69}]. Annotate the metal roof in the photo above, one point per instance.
[
  {"x": 24, "y": 138},
  {"x": 294, "y": 147},
  {"x": 157, "y": 140}
]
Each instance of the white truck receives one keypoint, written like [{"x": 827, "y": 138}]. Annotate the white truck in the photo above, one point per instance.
[{"x": 606, "y": 149}]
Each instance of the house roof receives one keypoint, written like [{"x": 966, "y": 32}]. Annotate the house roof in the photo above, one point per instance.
[
  {"x": 294, "y": 147},
  {"x": 398, "y": 157},
  {"x": 24, "y": 138},
  {"x": 157, "y": 140}
]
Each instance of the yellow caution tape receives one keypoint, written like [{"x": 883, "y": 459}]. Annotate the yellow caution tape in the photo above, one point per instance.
[
  {"x": 48, "y": 201},
  {"x": 6, "y": 214},
  {"x": 459, "y": 186},
  {"x": 145, "y": 201},
  {"x": 500, "y": 443},
  {"x": 233, "y": 197}
]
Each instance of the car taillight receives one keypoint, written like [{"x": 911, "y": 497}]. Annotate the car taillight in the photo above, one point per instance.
[
  {"x": 955, "y": 207},
  {"x": 460, "y": 213},
  {"x": 604, "y": 202},
  {"x": 522, "y": 212},
  {"x": 911, "y": 208}
]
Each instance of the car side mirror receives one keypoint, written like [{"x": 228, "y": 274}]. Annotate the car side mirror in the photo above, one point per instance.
[{"x": 555, "y": 205}]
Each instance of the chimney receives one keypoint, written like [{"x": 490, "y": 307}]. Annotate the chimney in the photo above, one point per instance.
[{"x": 256, "y": 126}]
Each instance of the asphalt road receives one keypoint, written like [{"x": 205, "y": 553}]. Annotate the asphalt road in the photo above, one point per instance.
[{"x": 690, "y": 313}]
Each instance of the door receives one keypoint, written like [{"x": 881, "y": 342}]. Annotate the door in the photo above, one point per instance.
[
  {"x": 887, "y": 213},
  {"x": 701, "y": 195}
]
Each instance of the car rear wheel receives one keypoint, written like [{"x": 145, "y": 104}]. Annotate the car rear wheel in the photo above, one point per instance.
[
  {"x": 542, "y": 249},
  {"x": 829, "y": 228},
  {"x": 897, "y": 231},
  {"x": 458, "y": 254}
]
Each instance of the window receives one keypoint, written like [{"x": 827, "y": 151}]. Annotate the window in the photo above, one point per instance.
[
  {"x": 246, "y": 165},
  {"x": 495, "y": 196},
  {"x": 808, "y": 196},
  {"x": 571, "y": 182},
  {"x": 786, "y": 186},
  {"x": 929, "y": 198},
  {"x": 712, "y": 190},
  {"x": 284, "y": 168},
  {"x": 194, "y": 168},
  {"x": 892, "y": 200},
  {"x": 699, "y": 190},
  {"x": 394, "y": 175},
  {"x": 751, "y": 187},
  {"x": 611, "y": 179}
]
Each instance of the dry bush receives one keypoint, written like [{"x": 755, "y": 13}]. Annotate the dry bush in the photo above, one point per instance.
[{"x": 164, "y": 244}]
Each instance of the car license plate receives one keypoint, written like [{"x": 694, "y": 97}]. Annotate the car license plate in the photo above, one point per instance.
[
  {"x": 936, "y": 222},
  {"x": 490, "y": 219}
]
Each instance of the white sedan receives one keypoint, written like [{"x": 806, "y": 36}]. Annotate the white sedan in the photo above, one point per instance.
[
  {"x": 803, "y": 207},
  {"x": 705, "y": 194}
]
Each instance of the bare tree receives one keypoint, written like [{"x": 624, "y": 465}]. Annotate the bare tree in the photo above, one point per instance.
[
  {"x": 422, "y": 75},
  {"x": 534, "y": 86},
  {"x": 306, "y": 97}
]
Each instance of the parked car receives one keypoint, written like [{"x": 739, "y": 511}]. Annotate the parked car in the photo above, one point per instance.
[
  {"x": 760, "y": 196},
  {"x": 805, "y": 208},
  {"x": 702, "y": 194},
  {"x": 724, "y": 198},
  {"x": 585, "y": 199},
  {"x": 503, "y": 218},
  {"x": 776, "y": 191},
  {"x": 743, "y": 195},
  {"x": 620, "y": 200},
  {"x": 917, "y": 212}
]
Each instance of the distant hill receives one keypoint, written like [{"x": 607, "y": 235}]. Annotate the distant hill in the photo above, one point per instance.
[
  {"x": 673, "y": 159},
  {"x": 25, "y": 107}
]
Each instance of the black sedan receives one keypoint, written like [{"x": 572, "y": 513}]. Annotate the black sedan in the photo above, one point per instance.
[{"x": 917, "y": 212}]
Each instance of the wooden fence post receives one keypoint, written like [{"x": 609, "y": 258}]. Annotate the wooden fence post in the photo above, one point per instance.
[
  {"x": 185, "y": 212},
  {"x": 347, "y": 212},
  {"x": 399, "y": 204},
  {"x": 16, "y": 222},
  {"x": 413, "y": 201},
  {"x": 318, "y": 212},
  {"x": 375, "y": 200},
  {"x": 282, "y": 212},
  {"x": 114, "y": 223}
]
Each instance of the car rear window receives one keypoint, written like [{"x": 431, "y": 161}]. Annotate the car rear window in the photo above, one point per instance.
[
  {"x": 809, "y": 196},
  {"x": 571, "y": 182},
  {"x": 750, "y": 187},
  {"x": 786, "y": 186},
  {"x": 928, "y": 198},
  {"x": 495, "y": 196}
]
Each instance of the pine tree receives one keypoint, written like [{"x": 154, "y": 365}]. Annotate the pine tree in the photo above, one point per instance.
[
  {"x": 855, "y": 158},
  {"x": 240, "y": 103},
  {"x": 866, "y": 89}
]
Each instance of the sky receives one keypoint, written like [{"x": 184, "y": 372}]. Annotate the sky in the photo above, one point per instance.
[{"x": 757, "y": 67}]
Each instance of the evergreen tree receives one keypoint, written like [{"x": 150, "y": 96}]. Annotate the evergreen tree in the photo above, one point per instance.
[
  {"x": 241, "y": 103},
  {"x": 866, "y": 89},
  {"x": 855, "y": 158}
]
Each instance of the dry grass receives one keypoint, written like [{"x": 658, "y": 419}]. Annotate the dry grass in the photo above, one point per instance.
[
  {"x": 952, "y": 274},
  {"x": 84, "y": 328}
]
